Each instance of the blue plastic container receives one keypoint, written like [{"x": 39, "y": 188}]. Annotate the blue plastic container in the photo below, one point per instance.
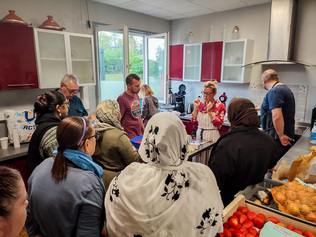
[{"x": 134, "y": 141}]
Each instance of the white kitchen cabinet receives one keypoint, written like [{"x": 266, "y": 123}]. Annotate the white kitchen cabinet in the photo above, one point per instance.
[
  {"x": 237, "y": 54},
  {"x": 59, "y": 53},
  {"x": 192, "y": 62}
]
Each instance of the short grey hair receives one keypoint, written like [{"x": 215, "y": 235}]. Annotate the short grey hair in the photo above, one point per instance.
[
  {"x": 270, "y": 74},
  {"x": 70, "y": 77}
]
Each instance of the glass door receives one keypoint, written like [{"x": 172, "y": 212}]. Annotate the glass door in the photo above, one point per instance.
[
  {"x": 113, "y": 63},
  {"x": 156, "y": 64}
]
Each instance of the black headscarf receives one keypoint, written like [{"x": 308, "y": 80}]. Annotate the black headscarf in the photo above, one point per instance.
[{"x": 242, "y": 113}]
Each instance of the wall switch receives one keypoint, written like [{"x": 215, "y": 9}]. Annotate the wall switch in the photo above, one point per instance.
[{"x": 1, "y": 116}]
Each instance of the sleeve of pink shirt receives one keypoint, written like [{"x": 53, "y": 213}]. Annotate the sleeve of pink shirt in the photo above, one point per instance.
[{"x": 220, "y": 111}]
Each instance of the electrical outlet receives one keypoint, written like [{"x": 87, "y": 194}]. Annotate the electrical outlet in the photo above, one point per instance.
[{"x": 1, "y": 116}]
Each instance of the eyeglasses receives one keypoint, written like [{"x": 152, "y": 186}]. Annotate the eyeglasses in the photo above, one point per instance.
[
  {"x": 71, "y": 91},
  {"x": 203, "y": 93},
  {"x": 96, "y": 136},
  {"x": 66, "y": 103}
]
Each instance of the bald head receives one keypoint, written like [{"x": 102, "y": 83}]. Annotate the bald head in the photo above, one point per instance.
[{"x": 270, "y": 74}]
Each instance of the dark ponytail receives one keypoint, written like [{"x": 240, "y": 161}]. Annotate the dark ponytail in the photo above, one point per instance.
[{"x": 69, "y": 132}]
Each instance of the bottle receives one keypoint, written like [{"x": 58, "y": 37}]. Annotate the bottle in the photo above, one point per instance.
[
  {"x": 193, "y": 135},
  {"x": 313, "y": 134}
]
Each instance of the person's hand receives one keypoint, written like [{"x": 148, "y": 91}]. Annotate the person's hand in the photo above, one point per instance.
[
  {"x": 285, "y": 140},
  {"x": 257, "y": 107},
  {"x": 209, "y": 106},
  {"x": 197, "y": 103}
]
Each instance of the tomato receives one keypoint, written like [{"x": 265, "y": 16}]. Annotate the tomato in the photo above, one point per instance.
[
  {"x": 262, "y": 216},
  {"x": 221, "y": 234},
  {"x": 247, "y": 224},
  {"x": 243, "y": 230},
  {"x": 237, "y": 213},
  {"x": 231, "y": 230},
  {"x": 242, "y": 218},
  {"x": 308, "y": 233},
  {"x": 227, "y": 233},
  {"x": 251, "y": 215},
  {"x": 298, "y": 231},
  {"x": 258, "y": 222},
  {"x": 252, "y": 230},
  {"x": 243, "y": 210},
  {"x": 281, "y": 224},
  {"x": 233, "y": 221},
  {"x": 250, "y": 235},
  {"x": 226, "y": 225},
  {"x": 238, "y": 233},
  {"x": 290, "y": 227},
  {"x": 273, "y": 219}
]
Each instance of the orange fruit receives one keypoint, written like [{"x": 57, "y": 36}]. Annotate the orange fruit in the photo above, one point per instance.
[{"x": 281, "y": 224}]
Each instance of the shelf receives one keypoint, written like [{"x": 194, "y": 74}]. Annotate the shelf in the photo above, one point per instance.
[{"x": 53, "y": 59}]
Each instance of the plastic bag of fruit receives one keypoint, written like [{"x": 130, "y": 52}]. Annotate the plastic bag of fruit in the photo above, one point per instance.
[{"x": 296, "y": 199}]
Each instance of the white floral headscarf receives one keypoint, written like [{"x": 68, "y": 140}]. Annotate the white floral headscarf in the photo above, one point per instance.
[
  {"x": 168, "y": 196},
  {"x": 165, "y": 140}
]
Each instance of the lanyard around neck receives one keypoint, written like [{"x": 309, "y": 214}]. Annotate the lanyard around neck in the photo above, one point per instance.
[{"x": 275, "y": 84}]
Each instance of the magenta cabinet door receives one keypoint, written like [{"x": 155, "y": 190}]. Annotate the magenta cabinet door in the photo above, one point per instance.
[
  {"x": 176, "y": 62},
  {"x": 211, "y": 61},
  {"x": 17, "y": 58}
]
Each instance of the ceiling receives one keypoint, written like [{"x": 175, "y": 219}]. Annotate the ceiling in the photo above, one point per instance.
[{"x": 176, "y": 9}]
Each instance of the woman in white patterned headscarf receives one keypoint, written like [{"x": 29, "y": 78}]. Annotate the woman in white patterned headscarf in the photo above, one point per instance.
[
  {"x": 114, "y": 151},
  {"x": 168, "y": 196}
]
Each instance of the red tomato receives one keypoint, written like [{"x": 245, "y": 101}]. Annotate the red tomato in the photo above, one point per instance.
[
  {"x": 290, "y": 227},
  {"x": 226, "y": 225},
  {"x": 221, "y": 234},
  {"x": 250, "y": 235},
  {"x": 243, "y": 210},
  {"x": 242, "y": 218},
  {"x": 233, "y": 221},
  {"x": 298, "y": 231},
  {"x": 243, "y": 230},
  {"x": 237, "y": 213},
  {"x": 227, "y": 233},
  {"x": 238, "y": 233},
  {"x": 273, "y": 219},
  {"x": 252, "y": 230},
  {"x": 231, "y": 230},
  {"x": 259, "y": 232},
  {"x": 308, "y": 233},
  {"x": 247, "y": 224},
  {"x": 261, "y": 215},
  {"x": 251, "y": 215},
  {"x": 258, "y": 222}
]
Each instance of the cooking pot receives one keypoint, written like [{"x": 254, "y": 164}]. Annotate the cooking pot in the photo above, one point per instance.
[
  {"x": 167, "y": 108},
  {"x": 190, "y": 108}
]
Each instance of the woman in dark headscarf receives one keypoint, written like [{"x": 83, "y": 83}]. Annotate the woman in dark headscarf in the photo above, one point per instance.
[{"x": 242, "y": 156}]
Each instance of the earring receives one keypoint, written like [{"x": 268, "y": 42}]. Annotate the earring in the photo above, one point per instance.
[{"x": 59, "y": 114}]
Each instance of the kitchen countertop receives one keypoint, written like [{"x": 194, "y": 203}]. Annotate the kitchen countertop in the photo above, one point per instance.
[
  {"x": 301, "y": 147},
  {"x": 11, "y": 152}
]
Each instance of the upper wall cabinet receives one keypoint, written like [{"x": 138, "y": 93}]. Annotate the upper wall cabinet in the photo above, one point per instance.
[
  {"x": 17, "y": 58},
  {"x": 60, "y": 53},
  {"x": 192, "y": 62},
  {"x": 176, "y": 62},
  {"x": 236, "y": 54},
  {"x": 211, "y": 61}
]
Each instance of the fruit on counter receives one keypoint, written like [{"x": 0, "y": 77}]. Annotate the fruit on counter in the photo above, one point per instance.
[
  {"x": 258, "y": 222},
  {"x": 273, "y": 219},
  {"x": 266, "y": 201},
  {"x": 251, "y": 215},
  {"x": 251, "y": 223},
  {"x": 257, "y": 201},
  {"x": 233, "y": 221},
  {"x": 243, "y": 209},
  {"x": 242, "y": 218},
  {"x": 296, "y": 199},
  {"x": 308, "y": 233}
]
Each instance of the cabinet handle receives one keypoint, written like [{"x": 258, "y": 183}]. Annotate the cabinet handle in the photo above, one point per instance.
[{"x": 16, "y": 85}]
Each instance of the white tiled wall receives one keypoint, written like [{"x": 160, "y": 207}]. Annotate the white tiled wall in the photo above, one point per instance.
[{"x": 257, "y": 93}]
